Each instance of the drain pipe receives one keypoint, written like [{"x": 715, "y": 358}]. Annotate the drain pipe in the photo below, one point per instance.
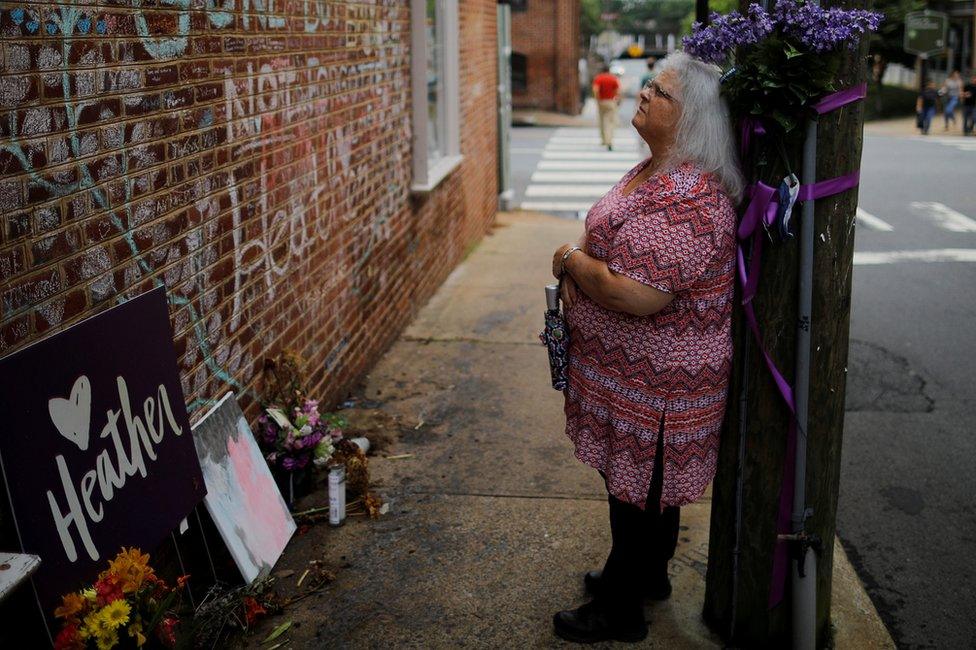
[{"x": 804, "y": 583}]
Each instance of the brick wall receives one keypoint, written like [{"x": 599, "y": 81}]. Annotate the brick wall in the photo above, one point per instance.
[
  {"x": 251, "y": 155},
  {"x": 548, "y": 34}
]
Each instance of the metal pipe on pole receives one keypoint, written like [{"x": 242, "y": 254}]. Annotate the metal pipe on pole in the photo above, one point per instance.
[{"x": 804, "y": 583}]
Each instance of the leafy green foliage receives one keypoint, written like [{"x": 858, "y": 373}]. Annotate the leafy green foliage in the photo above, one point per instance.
[{"x": 777, "y": 81}]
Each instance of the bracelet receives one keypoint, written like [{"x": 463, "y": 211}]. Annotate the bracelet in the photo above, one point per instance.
[{"x": 562, "y": 265}]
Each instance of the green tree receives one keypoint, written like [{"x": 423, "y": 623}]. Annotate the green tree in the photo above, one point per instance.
[
  {"x": 886, "y": 44},
  {"x": 590, "y": 22},
  {"x": 640, "y": 17},
  {"x": 718, "y": 6}
]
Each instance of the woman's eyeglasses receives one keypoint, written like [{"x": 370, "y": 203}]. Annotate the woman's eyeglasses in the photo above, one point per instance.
[{"x": 657, "y": 90}]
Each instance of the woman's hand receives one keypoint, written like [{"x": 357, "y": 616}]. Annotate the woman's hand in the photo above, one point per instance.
[
  {"x": 568, "y": 292},
  {"x": 557, "y": 260}
]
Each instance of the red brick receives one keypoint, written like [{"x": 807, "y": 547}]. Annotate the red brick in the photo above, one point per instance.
[{"x": 179, "y": 194}]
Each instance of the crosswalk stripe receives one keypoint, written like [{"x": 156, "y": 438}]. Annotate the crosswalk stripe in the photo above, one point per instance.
[
  {"x": 556, "y": 206},
  {"x": 589, "y": 155},
  {"x": 575, "y": 130},
  {"x": 945, "y": 217},
  {"x": 567, "y": 190},
  {"x": 574, "y": 165},
  {"x": 870, "y": 258},
  {"x": 873, "y": 222},
  {"x": 565, "y": 139},
  {"x": 570, "y": 177},
  {"x": 589, "y": 147}
]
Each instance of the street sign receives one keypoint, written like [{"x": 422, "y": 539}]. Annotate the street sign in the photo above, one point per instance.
[{"x": 925, "y": 32}]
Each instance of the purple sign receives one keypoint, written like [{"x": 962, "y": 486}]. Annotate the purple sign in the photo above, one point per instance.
[{"x": 95, "y": 443}]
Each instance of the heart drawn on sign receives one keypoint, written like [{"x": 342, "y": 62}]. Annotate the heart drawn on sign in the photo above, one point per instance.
[{"x": 72, "y": 416}]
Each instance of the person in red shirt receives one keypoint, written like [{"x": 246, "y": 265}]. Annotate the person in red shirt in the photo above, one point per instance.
[{"x": 606, "y": 90}]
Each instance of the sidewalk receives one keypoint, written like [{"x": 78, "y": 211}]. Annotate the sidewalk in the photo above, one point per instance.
[{"x": 492, "y": 521}]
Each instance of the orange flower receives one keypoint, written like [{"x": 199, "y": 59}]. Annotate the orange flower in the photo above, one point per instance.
[
  {"x": 71, "y": 604},
  {"x": 182, "y": 580},
  {"x": 132, "y": 569}
]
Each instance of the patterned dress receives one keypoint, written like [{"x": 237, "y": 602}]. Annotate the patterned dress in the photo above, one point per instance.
[{"x": 674, "y": 232}]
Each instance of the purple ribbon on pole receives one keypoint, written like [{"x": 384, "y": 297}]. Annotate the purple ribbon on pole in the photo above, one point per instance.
[{"x": 762, "y": 210}]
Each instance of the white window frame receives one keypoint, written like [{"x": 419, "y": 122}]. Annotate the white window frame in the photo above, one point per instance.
[{"x": 427, "y": 172}]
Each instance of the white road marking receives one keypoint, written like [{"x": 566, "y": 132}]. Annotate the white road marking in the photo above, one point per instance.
[
  {"x": 574, "y": 165},
  {"x": 866, "y": 258},
  {"x": 589, "y": 155},
  {"x": 562, "y": 139},
  {"x": 571, "y": 177},
  {"x": 588, "y": 147},
  {"x": 873, "y": 222},
  {"x": 945, "y": 217},
  {"x": 556, "y": 206},
  {"x": 567, "y": 190},
  {"x": 959, "y": 142}
]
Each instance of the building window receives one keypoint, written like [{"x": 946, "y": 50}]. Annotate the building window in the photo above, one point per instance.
[
  {"x": 520, "y": 72},
  {"x": 518, "y": 5},
  {"x": 436, "y": 108}
]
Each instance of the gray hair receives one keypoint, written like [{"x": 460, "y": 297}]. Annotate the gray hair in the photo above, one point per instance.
[{"x": 704, "y": 132}]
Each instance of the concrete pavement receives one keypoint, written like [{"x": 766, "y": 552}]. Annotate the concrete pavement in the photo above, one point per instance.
[{"x": 492, "y": 521}]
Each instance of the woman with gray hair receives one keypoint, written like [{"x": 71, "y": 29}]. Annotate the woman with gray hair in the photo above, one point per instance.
[{"x": 648, "y": 299}]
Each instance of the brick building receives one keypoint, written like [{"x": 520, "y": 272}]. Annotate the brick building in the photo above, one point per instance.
[
  {"x": 545, "y": 55},
  {"x": 299, "y": 174}
]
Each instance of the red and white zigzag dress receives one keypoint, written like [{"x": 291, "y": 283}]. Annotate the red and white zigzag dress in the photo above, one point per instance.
[{"x": 676, "y": 233}]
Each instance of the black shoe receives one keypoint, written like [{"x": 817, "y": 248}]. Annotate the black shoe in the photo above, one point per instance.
[
  {"x": 609, "y": 147},
  {"x": 591, "y": 623},
  {"x": 660, "y": 590}
]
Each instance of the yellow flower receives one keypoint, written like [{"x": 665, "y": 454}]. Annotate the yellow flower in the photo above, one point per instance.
[
  {"x": 71, "y": 604},
  {"x": 92, "y": 625},
  {"x": 135, "y": 631},
  {"x": 90, "y": 595},
  {"x": 107, "y": 640},
  {"x": 115, "y": 614}
]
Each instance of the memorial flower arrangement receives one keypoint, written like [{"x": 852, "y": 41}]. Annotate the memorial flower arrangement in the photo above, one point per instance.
[
  {"x": 296, "y": 438},
  {"x": 291, "y": 431},
  {"x": 127, "y": 605},
  {"x": 778, "y": 62}
]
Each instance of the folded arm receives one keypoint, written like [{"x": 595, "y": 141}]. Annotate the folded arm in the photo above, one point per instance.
[{"x": 611, "y": 290}]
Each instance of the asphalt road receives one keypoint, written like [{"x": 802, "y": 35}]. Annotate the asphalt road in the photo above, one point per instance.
[{"x": 907, "y": 513}]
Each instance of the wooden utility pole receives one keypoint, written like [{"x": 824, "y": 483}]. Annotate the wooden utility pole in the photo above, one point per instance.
[
  {"x": 736, "y": 600},
  {"x": 701, "y": 11}
]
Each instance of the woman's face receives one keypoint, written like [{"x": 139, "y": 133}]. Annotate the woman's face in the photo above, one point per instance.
[{"x": 659, "y": 108}]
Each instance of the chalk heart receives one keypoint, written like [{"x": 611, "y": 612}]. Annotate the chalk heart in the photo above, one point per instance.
[{"x": 72, "y": 416}]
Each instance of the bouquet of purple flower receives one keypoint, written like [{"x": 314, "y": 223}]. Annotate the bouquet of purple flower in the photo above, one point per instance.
[
  {"x": 780, "y": 61},
  {"x": 292, "y": 441}
]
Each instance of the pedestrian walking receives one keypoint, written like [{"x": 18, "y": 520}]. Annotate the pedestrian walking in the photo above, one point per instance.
[
  {"x": 648, "y": 299},
  {"x": 969, "y": 105},
  {"x": 606, "y": 90},
  {"x": 951, "y": 90},
  {"x": 925, "y": 107}
]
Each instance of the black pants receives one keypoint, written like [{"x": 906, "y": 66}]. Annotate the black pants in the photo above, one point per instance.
[{"x": 643, "y": 542}]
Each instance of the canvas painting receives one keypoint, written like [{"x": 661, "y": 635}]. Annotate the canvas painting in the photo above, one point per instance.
[{"x": 242, "y": 497}]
